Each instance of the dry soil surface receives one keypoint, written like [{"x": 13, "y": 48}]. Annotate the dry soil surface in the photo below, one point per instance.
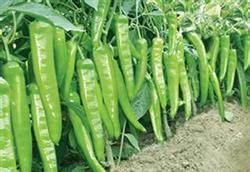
[{"x": 203, "y": 144}]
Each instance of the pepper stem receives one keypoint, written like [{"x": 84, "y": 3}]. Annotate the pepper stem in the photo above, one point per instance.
[{"x": 7, "y": 52}]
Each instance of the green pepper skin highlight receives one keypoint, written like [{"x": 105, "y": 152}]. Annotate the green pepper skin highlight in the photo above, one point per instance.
[
  {"x": 141, "y": 67},
  {"x": 82, "y": 137},
  {"x": 40, "y": 127},
  {"x": 224, "y": 53},
  {"x": 183, "y": 79},
  {"x": 155, "y": 113},
  {"x": 104, "y": 67},
  {"x": 41, "y": 41},
  {"x": 124, "y": 100},
  {"x": 122, "y": 38},
  {"x": 87, "y": 82},
  {"x": 7, "y": 154},
  {"x": 246, "y": 51},
  {"x": 14, "y": 75},
  {"x": 242, "y": 86},
  {"x": 72, "y": 50},
  {"x": 98, "y": 20},
  {"x": 231, "y": 70},
  {"x": 156, "y": 60},
  {"x": 216, "y": 86},
  {"x": 60, "y": 54},
  {"x": 203, "y": 65}
]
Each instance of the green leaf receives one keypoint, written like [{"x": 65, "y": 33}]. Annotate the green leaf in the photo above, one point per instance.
[
  {"x": 142, "y": 101},
  {"x": 4, "y": 4},
  {"x": 43, "y": 12},
  {"x": 127, "y": 5},
  {"x": 92, "y": 3},
  {"x": 72, "y": 140},
  {"x": 133, "y": 141},
  {"x": 229, "y": 116}
]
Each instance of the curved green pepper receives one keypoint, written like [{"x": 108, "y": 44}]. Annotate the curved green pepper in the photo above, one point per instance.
[
  {"x": 183, "y": 79},
  {"x": 7, "y": 155},
  {"x": 231, "y": 70},
  {"x": 41, "y": 41},
  {"x": 122, "y": 37},
  {"x": 141, "y": 67},
  {"x": 21, "y": 126},
  {"x": 242, "y": 85},
  {"x": 40, "y": 127},
  {"x": 203, "y": 65},
  {"x": 104, "y": 67},
  {"x": 60, "y": 54},
  {"x": 82, "y": 137},
  {"x": 87, "y": 82},
  {"x": 98, "y": 20},
  {"x": 213, "y": 51},
  {"x": 157, "y": 71},
  {"x": 124, "y": 99},
  {"x": 224, "y": 53},
  {"x": 155, "y": 113},
  {"x": 72, "y": 50},
  {"x": 172, "y": 72},
  {"x": 216, "y": 86}
]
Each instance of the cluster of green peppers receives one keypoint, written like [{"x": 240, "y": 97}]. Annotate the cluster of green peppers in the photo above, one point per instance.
[{"x": 106, "y": 83}]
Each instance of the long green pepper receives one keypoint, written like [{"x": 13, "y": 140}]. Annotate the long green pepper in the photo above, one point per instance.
[
  {"x": 231, "y": 70},
  {"x": 41, "y": 42},
  {"x": 141, "y": 67},
  {"x": 87, "y": 82},
  {"x": 124, "y": 99},
  {"x": 40, "y": 127},
  {"x": 122, "y": 37},
  {"x": 7, "y": 154},
  {"x": 183, "y": 79},
  {"x": 82, "y": 136},
  {"x": 246, "y": 51},
  {"x": 242, "y": 86},
  {"x": 14, "y": 75},
  {"x": 224, "y": 53},
  {"x": 203, "y": 65}
]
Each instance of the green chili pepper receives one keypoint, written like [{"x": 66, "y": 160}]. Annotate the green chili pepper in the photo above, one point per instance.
[
  {"x": 104, "y": 67},
  {"x": 203, "y": 65},
  {"x": 7, "y": 155},
  {"x": 211, "y": 93},
  {"x": 21, "y": 126},
  {"x": 60, "y": 54},
  {"x": 122, "y": 37},
  {"x": 141, "y": 67},
  {"x": 183, "y": 79},
  {"x": 155, "y": 113},
  {"x": 157, "y": 71},
  {"x": 242, "y": 85},
  {"x": 224, "y": 53},
  {"x": 193, "y": 75},
  {"x": 124, "y": 99},
  {"x": 98, "y": 20},
  {"x": 106, "y": 119},
  {"x": 213, "y": 51},
  {"x": 72, "y": 50},
  {"x": 82, "y": 137},
  {"x": 41, "y": 42},
  {"x": 40, "y": 127},
  {"x": 87, "y": 82},
  {"x": 246, "y": 51},
  {"x": 231, "y": 70},
  {"x": 216, "y": 86},
  {"x": 172, "y": 41},
  {"x": 134, "y": 51},
  {"x": 172, "y": 72}
]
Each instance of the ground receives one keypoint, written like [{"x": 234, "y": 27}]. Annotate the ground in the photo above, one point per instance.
[{"x": 203, "y": 144}]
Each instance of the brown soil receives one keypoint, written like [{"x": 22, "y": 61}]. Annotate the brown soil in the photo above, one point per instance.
[{"x": 203, "y": 143}]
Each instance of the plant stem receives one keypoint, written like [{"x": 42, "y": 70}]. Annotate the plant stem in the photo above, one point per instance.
[
  {"x": 122, "y": 141},
  {"x": 7, "y": 52}
]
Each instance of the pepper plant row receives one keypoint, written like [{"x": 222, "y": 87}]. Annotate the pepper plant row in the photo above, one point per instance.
[{"x": 79, "y": 87}]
